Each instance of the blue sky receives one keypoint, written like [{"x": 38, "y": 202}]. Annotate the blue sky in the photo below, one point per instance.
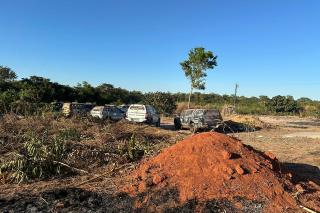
[{"x": 268, "y": 47}]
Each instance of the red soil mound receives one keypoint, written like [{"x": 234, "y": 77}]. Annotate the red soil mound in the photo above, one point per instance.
[{"x": 211, "y": 167}]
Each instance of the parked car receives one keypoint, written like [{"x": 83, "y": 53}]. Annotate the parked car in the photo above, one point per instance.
[
  {"x": 143, "y": 113},
  {"x": 56, "y": 106},
  {"x": 74, "y": 108},
  {"x": 196, "y": 119},
  {"x": 107, "y": 112},
  {"x": 124, "y": 108}
]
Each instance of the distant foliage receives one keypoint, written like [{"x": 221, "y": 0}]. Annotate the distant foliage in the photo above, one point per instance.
[
  {"x": 29, "y": 95},
  {"x": 6, "y": 74},
  {"x": 283, "y": 104},
  {"x": 33, "y": 95},
  {"x": 164, "y": 102}
]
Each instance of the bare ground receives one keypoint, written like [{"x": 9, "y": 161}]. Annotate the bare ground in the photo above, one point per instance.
[{"x": 291, "y": 139}]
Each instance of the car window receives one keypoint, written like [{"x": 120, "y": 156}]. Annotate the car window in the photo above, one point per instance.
[
  {"x": 189, "y": 112},
  {"x": 154, "y": 111},
  {"x": 116, "y": 110},
  {"x": 212, "y": 113},
  {"x": 97, "y": 109},
  {"x": 151, "y": 109},
  {"x": 198, "y": 112},
  {"x": 137, "y": 107}
]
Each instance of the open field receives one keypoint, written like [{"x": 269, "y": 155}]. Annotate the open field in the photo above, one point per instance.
[
  {"x": 291, "y": 139},
  {"x": 99, "y": 152}
]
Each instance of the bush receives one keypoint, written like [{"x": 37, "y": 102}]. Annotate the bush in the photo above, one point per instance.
[
  {"x": 283, "y": 104},
  {"x": 133, "y": 150},
  {"x": 164, "y": 103},
  {"x": 40, "y": 158},
  {"x": 70, "y": 134}
]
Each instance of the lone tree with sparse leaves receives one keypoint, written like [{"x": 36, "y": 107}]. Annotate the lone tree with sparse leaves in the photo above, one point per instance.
[
  {"x": 7, "y": 74},
  {"x": 195, "y": 68}
]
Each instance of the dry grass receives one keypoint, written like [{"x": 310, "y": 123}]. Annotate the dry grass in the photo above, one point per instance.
[
  {"x": 249, "y": 120},
  {"x": 89, "y": 143}
]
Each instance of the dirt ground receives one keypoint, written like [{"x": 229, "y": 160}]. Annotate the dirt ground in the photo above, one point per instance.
[
  {"x": 291, "y": 139},
  {"x": 294, "y": 141}
]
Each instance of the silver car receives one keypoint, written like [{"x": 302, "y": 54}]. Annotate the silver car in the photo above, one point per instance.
[{"x": 107, "y": 112}]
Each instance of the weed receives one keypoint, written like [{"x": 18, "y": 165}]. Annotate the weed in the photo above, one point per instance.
[
  {"x": 70, "y": 134},
  {"x": 40, "y": 158},
  {"x": 134, "y": 150}
]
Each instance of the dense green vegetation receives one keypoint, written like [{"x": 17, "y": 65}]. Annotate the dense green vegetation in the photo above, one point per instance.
[{"x": 33, "y": 95}]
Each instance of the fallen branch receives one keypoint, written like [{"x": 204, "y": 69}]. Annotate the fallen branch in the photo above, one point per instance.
[
  {"x": 307, "y": 209},
  {"x": 102, "y": 175},
  {"x": 70, "y": 167}
]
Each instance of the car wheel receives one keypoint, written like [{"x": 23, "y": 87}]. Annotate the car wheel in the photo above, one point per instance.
[
  {"x": 158, "y": 123},
  {"x": 177, "y": 124},
  {"x": 193, "y": 128}
]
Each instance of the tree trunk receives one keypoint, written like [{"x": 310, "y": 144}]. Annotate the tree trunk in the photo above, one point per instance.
[{"x": 190, "y": 97}]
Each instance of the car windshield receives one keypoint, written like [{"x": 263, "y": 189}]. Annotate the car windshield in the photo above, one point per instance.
[
  {"x": 212, "y": 113},
  {"x": 137, "y": 108},
  {"x": 188, "y": 112},
  {"x": 96, "y": 109}
]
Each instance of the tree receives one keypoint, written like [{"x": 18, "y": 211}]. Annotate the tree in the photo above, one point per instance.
[
  {"x": 7, "y": 74},
  {"x": 195, "y": 68},
  {"x": 85, "y": 92},
  {"x": 283, "y": 104},
  {"x": 164, "y": 102}
]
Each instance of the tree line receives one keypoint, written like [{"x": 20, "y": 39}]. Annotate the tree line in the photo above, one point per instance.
[{"x": 29, "y": 95}]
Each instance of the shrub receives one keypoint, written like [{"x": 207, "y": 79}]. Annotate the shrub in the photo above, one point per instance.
[
  {"x": 70, "y": 134},
  {"x": 283, "y": 104},
  {"x": 133, "y": 150},
  {"x": 164, "y": 103},
  {"x": 41, "y": 157}
]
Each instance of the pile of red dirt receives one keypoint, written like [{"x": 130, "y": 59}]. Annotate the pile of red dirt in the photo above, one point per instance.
[{"x": 211, "y": 171}]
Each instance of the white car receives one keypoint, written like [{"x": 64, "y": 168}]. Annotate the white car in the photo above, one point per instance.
[
  {"x": 143, "y": 114},
  {"x": 107, "y": 112}
]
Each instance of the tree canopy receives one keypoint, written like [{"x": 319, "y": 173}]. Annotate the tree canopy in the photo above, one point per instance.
[
  {"x": 7, "y": 74},
  {"x": 195, "y": 67}
]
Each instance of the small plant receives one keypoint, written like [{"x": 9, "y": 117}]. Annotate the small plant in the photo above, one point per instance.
[
  {"x": 133, "y": 150},
  {"x": 70, "y": 134},
  {"x": 40, "y": 158}
]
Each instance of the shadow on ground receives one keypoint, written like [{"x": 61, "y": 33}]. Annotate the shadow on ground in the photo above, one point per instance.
[
  {"x": 80, "y": 200},
  {"x": 304, "y": 123},
  {"x": 225, "y": 127},
  {"x": 302, "y": 172},
  {"x": 230, "y": 126}
]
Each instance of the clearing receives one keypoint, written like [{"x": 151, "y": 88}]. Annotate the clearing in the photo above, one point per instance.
[{"x": 102, "y": 150}]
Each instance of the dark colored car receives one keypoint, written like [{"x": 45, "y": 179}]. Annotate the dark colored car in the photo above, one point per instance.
[
  {"x": 124, "y": 108},
  {"x": 79, "y": 109},
  {"x": 56, "y": 106},
  {"x": 196, "y": 119}
]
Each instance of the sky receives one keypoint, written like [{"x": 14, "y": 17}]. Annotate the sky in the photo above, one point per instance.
[{"x": 268, "y": 47}]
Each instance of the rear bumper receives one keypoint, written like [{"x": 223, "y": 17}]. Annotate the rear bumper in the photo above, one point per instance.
[
  {"x": 202, "y": 126},
  {"x": 97, "y": 116},
  {"x": 137, "y": 120}
]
